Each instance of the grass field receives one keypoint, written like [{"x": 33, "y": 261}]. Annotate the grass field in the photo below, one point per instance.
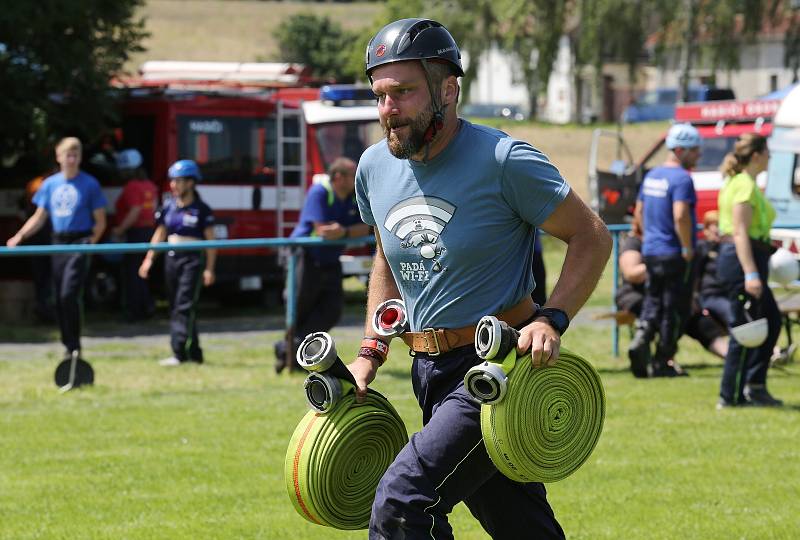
[{"x": 197, "y": 452}]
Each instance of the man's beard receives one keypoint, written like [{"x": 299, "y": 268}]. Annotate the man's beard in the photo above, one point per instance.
[{"x": 404, "y": 148}]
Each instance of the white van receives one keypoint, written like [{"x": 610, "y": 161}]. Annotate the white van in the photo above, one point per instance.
[{"x": 783, "y": 185}]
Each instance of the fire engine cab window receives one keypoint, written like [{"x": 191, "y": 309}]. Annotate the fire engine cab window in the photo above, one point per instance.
[
  {"x": 229, "y": 150},
  {"x": 714, "y": 151},
  {"x": 348, "y": 139}
]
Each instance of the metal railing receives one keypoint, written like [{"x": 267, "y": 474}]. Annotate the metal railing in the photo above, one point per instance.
[
  {"x": 291, "y": 307},
  {"x": 291, "y": 297}
]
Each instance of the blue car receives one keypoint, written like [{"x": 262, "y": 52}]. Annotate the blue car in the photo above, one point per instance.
[{"x": 659, "y": 104}]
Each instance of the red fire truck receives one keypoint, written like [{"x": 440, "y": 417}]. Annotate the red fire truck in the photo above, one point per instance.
[
  {"x": 259, "y": 143},
  {"x": 614, "y": 190}
]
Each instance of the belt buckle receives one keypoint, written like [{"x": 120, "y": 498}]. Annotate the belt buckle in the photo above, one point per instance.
[{"x": 431, "y": 332}]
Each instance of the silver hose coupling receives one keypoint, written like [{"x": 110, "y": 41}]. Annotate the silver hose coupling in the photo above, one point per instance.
[
  {"x": 494, "y": 338},
  {"x": 390, "y": 319},
  {"x": 486, "y": 382},
  {"x": 323, "y": 391},
  {"x": 317, "y": 352}
]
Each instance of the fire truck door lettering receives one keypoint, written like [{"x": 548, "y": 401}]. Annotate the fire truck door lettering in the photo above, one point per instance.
[{"x": 206, "y": 126}]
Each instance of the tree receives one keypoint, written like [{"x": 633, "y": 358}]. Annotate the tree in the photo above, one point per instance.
[
  {"x": 531, "y": 32},
  {"x": 319, "y": 43},
  {"x": 56, "y": 61}
]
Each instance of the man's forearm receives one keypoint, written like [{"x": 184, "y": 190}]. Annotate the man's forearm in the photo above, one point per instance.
[
  {"x": 211, "y": 259},
  {"x": 99, "y": 227},
  {"x": 683, "y": 228},
  {"x": 382, "y": 287},
  {"x": 587, "y": 254},
  {"x": 32, "y": 226},
  {"x": 130, "y": 219}
]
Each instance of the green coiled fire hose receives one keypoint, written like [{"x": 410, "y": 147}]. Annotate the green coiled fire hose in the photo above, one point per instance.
[
  {"x": 549, "y": 421},
  {"x": 335, "y": 460}
]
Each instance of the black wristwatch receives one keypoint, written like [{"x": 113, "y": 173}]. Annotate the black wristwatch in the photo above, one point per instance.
[{"x": 555, "y": 318}]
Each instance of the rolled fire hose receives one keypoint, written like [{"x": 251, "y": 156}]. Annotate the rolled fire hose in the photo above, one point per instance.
[
  {"x": 336, "y": 458},
  {"x": 548, "y": 420}
]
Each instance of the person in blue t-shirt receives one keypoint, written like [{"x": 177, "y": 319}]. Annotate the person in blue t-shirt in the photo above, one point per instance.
[
  {"x": 184, "y": 218},
  {"x": 76, "y": 207},
  {"x": 330, "y": 212},
  {"x": 665, "y": 207},
  {"x": 455, "y": 206}
]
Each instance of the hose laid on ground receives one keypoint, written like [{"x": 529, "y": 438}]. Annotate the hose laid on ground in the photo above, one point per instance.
[
  {"x": 340, "y": 449},
  {"x": 549, "y": 420}
]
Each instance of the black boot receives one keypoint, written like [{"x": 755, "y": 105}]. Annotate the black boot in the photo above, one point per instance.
[
  {"x": 279, "y": 348},
  {"x": 639, "y": 350},
  {"x": 663, "y": 364}
]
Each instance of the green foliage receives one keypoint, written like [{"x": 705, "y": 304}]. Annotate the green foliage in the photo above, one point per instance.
[
  {"x": 56, "y": 60},
  {"x": 318, "y": 42}
]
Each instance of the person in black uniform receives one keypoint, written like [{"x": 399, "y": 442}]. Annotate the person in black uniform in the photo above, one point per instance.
[
  {"x": 705, "y": 324},
  {"x": 76, "y": 207},
  {"x": 184, "y": 218},
  {"x": 709, "y": 321},
  {"x": 630, "y": 294},
  {"x": 330, "y": 212}
]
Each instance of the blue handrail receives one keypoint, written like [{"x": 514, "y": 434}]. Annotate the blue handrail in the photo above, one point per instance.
[{"x": 291, "y": 297}]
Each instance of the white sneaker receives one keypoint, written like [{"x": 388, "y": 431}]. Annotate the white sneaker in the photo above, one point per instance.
[{"x": 169, "y": 362}]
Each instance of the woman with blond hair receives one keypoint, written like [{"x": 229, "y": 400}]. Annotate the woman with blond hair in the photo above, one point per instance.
[{"x": 745, "y": 218}]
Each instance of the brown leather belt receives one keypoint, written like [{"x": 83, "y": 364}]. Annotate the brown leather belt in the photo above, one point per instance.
[{"x": 435, "y": 341}]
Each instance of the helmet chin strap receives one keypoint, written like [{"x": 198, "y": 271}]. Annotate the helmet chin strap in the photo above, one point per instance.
[{"x": 437, "y": 122}]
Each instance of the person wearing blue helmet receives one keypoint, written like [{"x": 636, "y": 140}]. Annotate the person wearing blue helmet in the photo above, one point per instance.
[
  {"x": 184, "y": 218},
  {"x": 454, "y": 208},
  {"x": 666, "y": 209}
]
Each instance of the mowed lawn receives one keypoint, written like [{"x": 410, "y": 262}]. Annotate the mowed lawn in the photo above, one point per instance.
[{"x": 197, "y": 451}]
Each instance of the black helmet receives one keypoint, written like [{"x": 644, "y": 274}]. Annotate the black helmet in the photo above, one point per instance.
[{"x": 412, "y": 39}]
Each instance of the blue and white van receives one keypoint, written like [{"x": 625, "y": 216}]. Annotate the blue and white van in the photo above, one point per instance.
[{"x": 783, "y": 185}]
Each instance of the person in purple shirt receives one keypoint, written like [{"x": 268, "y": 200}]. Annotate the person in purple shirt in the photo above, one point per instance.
[
  {"x": 330, "y": 212},
  {"x": 665, "y": 208},
  {"x": 184, "y": 218},
  {"x": 76, "y": 207}
]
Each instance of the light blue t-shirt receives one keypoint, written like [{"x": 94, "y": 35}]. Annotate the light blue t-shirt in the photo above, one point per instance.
[
  {"x": 70, "y": 203},
  {"x": 457, "y": 230},
  {"x": 662, "y": 187}
]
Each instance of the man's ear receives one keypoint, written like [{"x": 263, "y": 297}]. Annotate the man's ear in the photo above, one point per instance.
[{"x": 451, "y": 90}]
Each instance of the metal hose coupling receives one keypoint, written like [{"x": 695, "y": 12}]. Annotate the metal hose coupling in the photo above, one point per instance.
[
  {"x": 317, "y": 352},
  {"x": 329, "y": 379},
  {"x": 323, "y": 391},
  {"x": 494, "y": 339},
  {"x": 390, "y": 318}
]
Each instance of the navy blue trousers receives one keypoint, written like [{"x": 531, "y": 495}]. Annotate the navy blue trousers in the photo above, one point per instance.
[
  {"x": 184, "y": 272},
  {"x": 136, "y": 298},
  {"x": 746, "y": 366},
  {"x": 446, "y": 463},
  {"x": 667, "y": 301},
  {"x": 70, "y": 271}
]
